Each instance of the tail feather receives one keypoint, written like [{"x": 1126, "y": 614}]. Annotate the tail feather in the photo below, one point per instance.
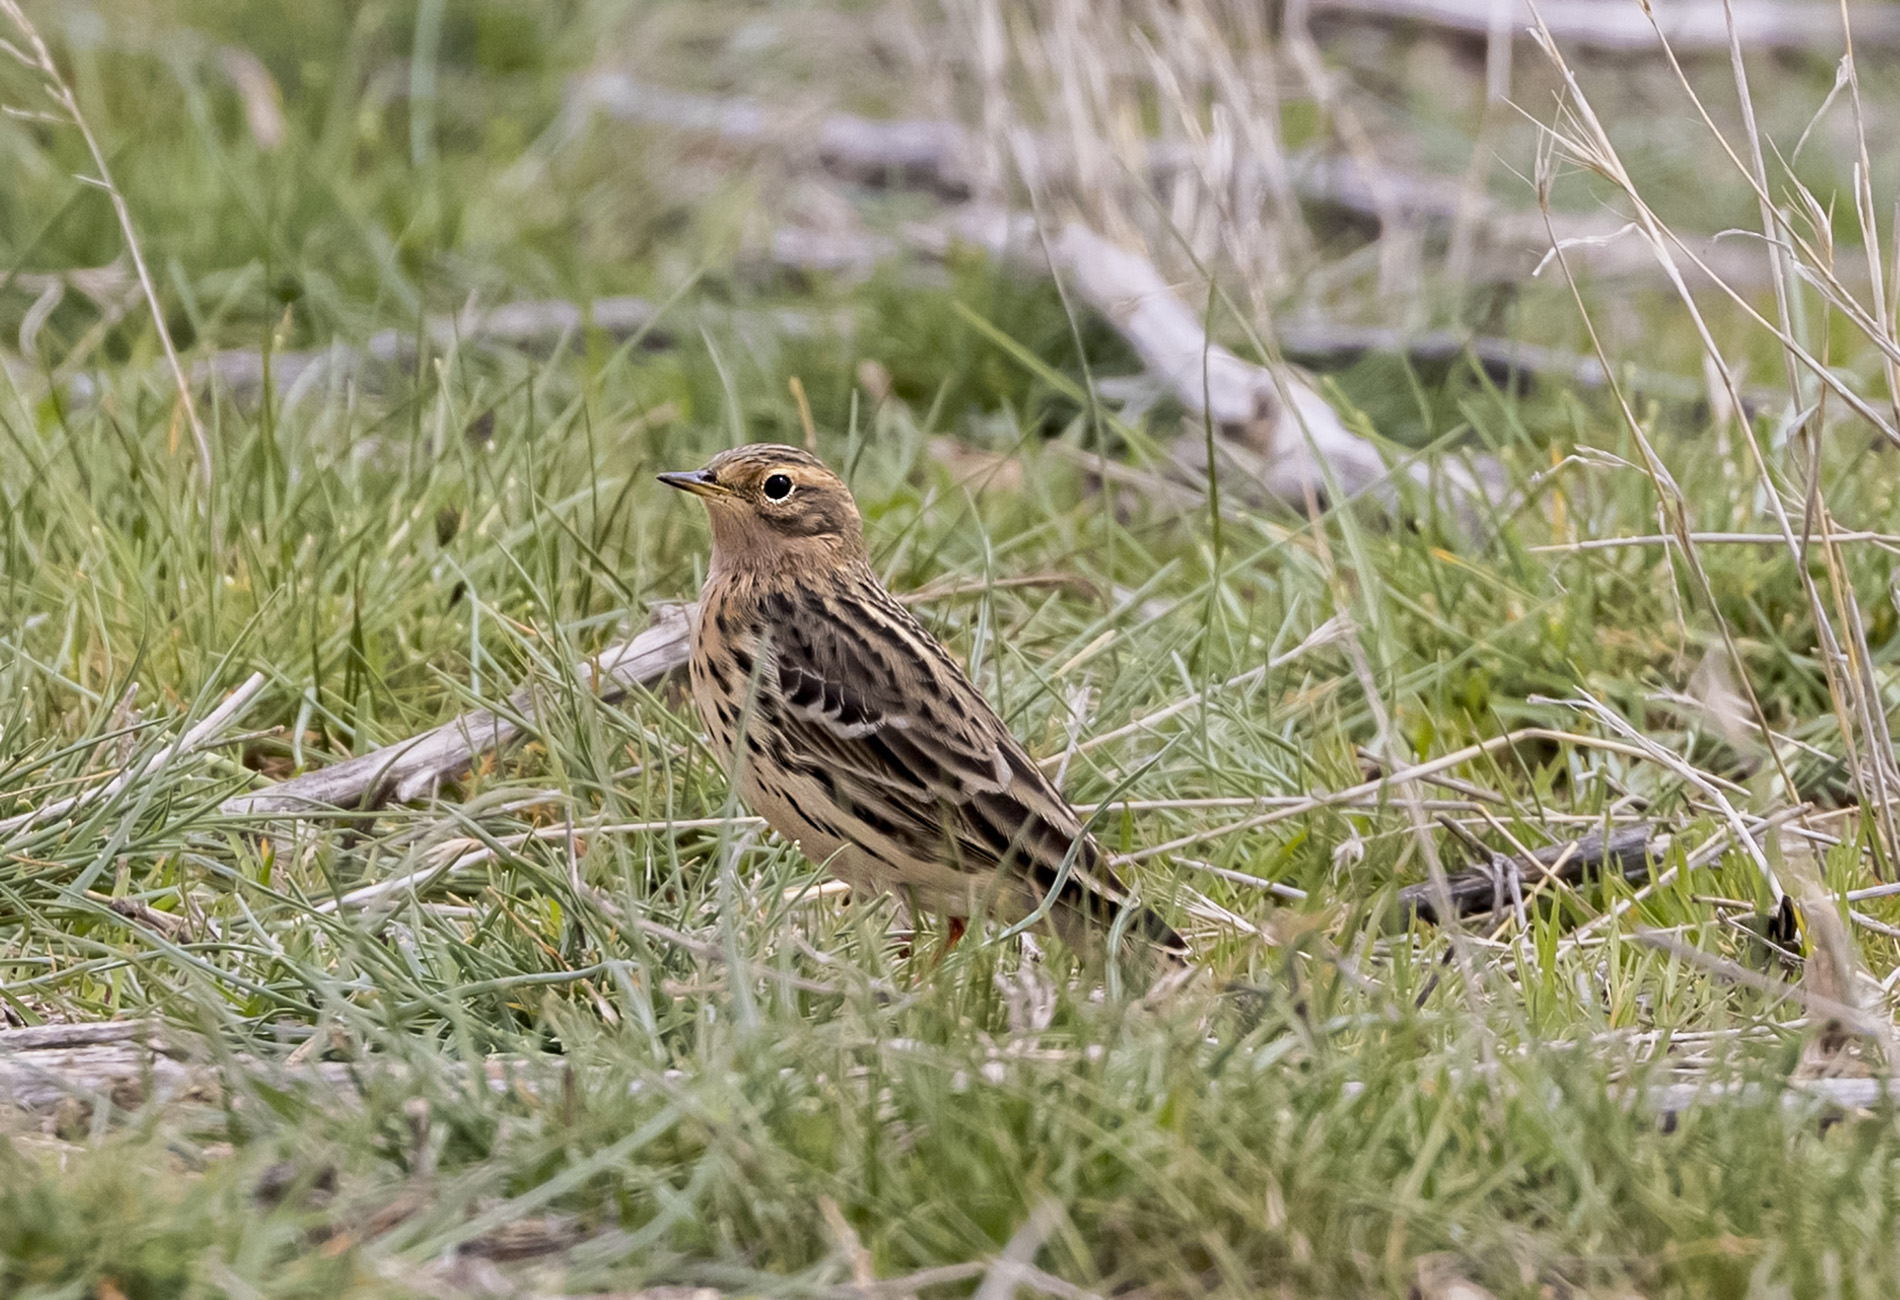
[{"x": 1149, "y": 924}]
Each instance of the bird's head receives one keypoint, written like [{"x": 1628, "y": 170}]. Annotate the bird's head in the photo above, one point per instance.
[{"x": 773, "y": 507}]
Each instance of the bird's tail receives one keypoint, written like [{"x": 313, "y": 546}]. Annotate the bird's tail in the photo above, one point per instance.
[{"x": 1148, "y": 925}]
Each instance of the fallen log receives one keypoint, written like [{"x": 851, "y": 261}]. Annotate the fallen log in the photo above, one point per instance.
[
  {"x": 1487, "y": 886},
  {"x": 413, "y": 768},
  {"x": 130, "y": 1064}
]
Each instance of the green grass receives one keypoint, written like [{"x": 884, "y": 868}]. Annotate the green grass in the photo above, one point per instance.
[{"x": 1335, "y": 1101}]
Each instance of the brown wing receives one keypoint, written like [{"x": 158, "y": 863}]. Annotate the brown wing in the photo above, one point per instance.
[{"x": 906, "y": 744}]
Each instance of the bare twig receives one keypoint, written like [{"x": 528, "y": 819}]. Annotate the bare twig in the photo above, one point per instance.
[
  {"x": 943, "y": 158},
  {"x": 1670, "y": 1100},
  {"x": 1861, "y": 1022},
  {"x": 528, "y": 325},
  {"x": 1379, "y": 787},
  {"x": 1277, "y": 430},
  {"x": 127, "y": 1064},
  {"x": 411, "y": 769},
  {"x": 39, "y": 1071},
  {"x": 1324, "y": 344},
  {"x": 929, "y": 154},
  {"x": 1688, "y": 25},
  {"x": 1627, "y": 850}
]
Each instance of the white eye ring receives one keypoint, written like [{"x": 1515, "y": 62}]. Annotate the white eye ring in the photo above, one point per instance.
[{"x": 778, "y": 486}]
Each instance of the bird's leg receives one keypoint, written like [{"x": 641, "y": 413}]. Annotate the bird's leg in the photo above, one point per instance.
[{"x": 954, "y": 928}]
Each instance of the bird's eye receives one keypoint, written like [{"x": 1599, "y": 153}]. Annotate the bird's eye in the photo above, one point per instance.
[{"x": 778, "y": 486}]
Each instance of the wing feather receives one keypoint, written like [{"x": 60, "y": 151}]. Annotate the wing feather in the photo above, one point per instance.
[{"x": 909, "y": 746}]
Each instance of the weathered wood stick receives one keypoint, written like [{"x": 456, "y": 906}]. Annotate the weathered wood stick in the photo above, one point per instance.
[
  {"x": 1277, "y": 432},
  {"x": 919, "y": 154},
  {"x": 939, "y": 156},
  {"x": 1485, "y": 888},
  {"x": 520, "y": 324},
  {"x": 535, "y": 325},
  {"x": 204, "y": 733},
  {"x": 129, "y": 1063},
  {"x": 1325, "y": 345},
  {"x": 1690, "y": 26},
  {"x": 532, "y": 325},
  {"x": 134, "y": 1066},
  {"x": 411, "y": 769}
]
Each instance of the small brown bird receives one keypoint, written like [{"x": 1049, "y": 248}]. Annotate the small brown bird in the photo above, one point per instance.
[{"x": 863, "y": 742}]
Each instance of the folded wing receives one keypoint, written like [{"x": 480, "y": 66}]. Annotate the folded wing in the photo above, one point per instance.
[{"x": 907, "y": 746}]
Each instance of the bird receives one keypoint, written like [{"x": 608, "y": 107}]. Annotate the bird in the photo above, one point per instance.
[{"x": 854, "y": 733}]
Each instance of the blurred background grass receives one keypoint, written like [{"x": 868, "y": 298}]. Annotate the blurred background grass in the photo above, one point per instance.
[{"x": 523, "y": 1090}]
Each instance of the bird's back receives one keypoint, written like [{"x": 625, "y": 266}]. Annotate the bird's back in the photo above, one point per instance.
[{"x": 860, "y": 738}]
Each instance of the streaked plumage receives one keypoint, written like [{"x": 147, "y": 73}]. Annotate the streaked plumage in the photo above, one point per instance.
[{"x": 863, "y": 741}]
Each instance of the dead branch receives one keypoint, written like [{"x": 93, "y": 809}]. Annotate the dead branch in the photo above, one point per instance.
[
  {"x": 43, "y": 1067},
  {"x": 48, "y": 1069},
  {"x": 940, "y": 157},
  {"x": 413, "y": 768},
  {"x": 1668, "y": 1101},
  {"x": 1276, "y": 431},
  {"x": 1688, "y": 25},
  {"x": 1486, "y": 887},
  {"x": 1504, "y": 361},
  {"x": 935, "y": 155},
  {"x": 1327, "y": 345},
  {"x": 538, "y": 325},
  {"x": 202, "y": 735},
  {"x": 917, "y": 154}
]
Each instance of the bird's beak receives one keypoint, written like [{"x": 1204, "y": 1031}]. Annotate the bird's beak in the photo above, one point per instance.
[{"x": 698, "y": 482}]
